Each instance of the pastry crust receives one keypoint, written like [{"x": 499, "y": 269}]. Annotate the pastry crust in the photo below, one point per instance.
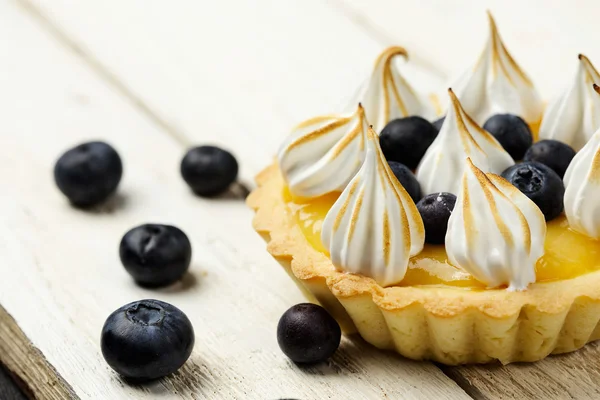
[{"x": 441, "y": 323}]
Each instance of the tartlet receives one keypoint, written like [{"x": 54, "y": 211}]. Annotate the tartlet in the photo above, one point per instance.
[
  {"x": 445, "y": 324},
  {"x": 456, "y": 320}
]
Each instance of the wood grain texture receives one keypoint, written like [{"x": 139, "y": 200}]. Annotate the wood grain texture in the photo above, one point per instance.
[
  {"x": 237, "y": 74},
  {"x": 569, "y": 376},
  {"x": 61, "y": 276},
  {"x": 29, "y": 364}
]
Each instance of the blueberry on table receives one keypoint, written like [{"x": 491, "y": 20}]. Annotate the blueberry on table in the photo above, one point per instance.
[
  {"x": 306, "y": 333},
  {"x": 147, "y": 339},
  {"x": 438, "y": 123},
  {"x": 89, "y": 173},
  {"x": 556, "y": 155},
  {"x": 541, "y": 184},
  {"x": 209, "y": 170},
  {"x": 406, "y": 140},
  {"x": 407, "y": 179},
  {"x": 435, "y": 210},
  {"x": 512, "y": 132},
  {"x": 155, "y": 255}
]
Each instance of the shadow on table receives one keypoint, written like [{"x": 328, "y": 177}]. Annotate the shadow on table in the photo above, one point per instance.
[{"x": 352, "y": 349}]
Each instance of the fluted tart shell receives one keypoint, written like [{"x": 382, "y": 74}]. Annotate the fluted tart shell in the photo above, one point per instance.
[{"x": 445, "y": 324}]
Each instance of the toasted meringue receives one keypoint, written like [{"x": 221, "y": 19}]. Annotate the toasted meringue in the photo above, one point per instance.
[
  {"x": 374, "y": 227},
  {"x": 443, "y": 164},
  {"x": 324, "y": 153},
  {"x": 386, "y": 95},
  {"x": 574, "y": 116},
  {"x": 495, "y": 232},
  {"x": 582, "y": 189},
  {"x": 496, "y": 84}
]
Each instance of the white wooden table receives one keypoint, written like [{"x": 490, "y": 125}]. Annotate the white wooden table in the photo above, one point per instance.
[{"x": 154, "y": 77}]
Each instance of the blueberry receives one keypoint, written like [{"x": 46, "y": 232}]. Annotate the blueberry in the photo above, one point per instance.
[
  {"x": 541, "y": 184},
  {"x": 406, "y": 140},
  {"x": 407, "y": 179},
  {"x": 439, "y": 122},
  {"x": 209, "y": 170},
  {"x": 306, "y": 333},
  {"x": 89, "y": 173},
  {"x": 435, "y": 210},
  {"x": 147, "y": 339},
  {"x": 556, "y": 155},
  {"x": 512, "y": 132},
  {"x": 155, "y": 255}
]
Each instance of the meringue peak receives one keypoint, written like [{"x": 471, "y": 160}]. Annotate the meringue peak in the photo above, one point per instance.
[
  {"x": 323, "y": 153},
  {"x": 386, "y": 95},
  {"x": 507, "y": 63},
  {"x": 582, "y": 189},
  {"x": 497, "y": 84},
  {"x": 574, "y": 116},
  {"x": 374, "y": 227},
  {"x": 495, "y": 232},
  {"x": 443, "y": 164}
]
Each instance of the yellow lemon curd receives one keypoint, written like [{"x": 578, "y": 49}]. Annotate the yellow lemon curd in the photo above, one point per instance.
[{"x": 567, "y": 253}]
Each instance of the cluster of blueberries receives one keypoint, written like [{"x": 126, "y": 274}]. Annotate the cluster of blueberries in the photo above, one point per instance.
[
  {"x": 539, "y": 176},
  {"x": 149, "y": 339}
]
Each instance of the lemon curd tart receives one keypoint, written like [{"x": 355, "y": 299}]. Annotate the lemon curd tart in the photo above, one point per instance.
[
  {"x": 516, "y": 278},
  {"x": 444, "y": 316}
]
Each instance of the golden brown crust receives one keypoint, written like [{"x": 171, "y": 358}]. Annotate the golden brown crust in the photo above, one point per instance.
[{"x": 554, "y": 301}]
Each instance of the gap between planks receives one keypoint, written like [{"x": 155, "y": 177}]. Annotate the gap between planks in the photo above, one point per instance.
[{"x": 42, "y": 380}]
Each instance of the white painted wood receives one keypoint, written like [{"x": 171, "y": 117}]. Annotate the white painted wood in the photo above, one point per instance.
[
  {"x": 544, "y": 36},
  {"x": 274, "y": 63},
  {"x": 60, "y": 271}
]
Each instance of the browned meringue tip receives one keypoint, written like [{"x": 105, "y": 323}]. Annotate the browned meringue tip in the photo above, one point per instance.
[
  {"x": 360, "y": 109},
  {"x": 597, "y": 88},
  {"x": 581, "y": 56},
  {"x": 391, "y": 52},
  {"x": 453, "y": 99},
  {"x": 470, "y": 163},
  {"x": 371, "y": 134},
  {"x": 492, "y": 22}
]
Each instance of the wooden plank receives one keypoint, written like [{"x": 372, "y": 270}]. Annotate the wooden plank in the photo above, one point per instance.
[
  {"x": 544, "y": 36},
  {"x": 314, "y": 69},
  {"x": 568, "y": 376},
  {"x": 274, "y": 63},
  {"x": 28, "y": 363},
  {"x": 60, "y": 271}
]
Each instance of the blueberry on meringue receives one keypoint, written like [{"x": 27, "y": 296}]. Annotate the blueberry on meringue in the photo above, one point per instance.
[
  {"x": 552, "y": 153},
  {"x": 435, "y": 209},
  {"x": 407, "y": 179},
  {"x": 406, "y": 140},
  {"x": 512, "y": 132},
  {"x": 541, "y": 184}
]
